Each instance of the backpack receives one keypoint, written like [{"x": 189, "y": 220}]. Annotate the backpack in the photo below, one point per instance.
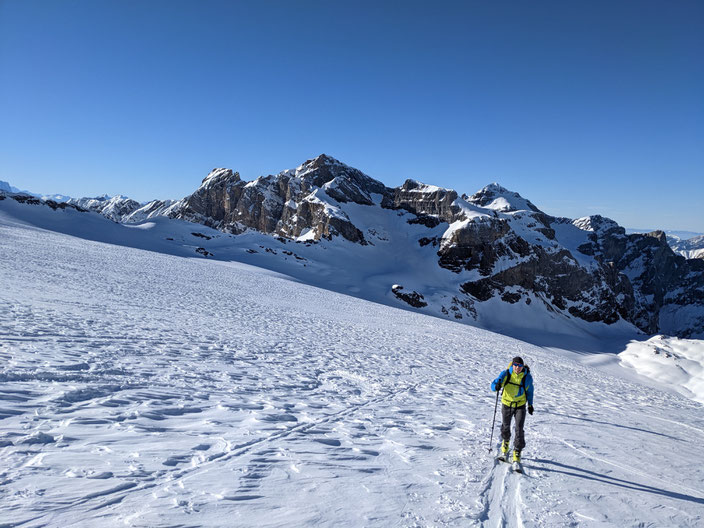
[{"x": 523, "y": 381}]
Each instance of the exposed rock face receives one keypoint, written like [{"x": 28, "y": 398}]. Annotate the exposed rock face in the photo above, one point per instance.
[
  {"x": 496, "y": 243},
  {"x": 304, "y": 202},
  {"x": 33, "y": 200},
  {"x": 659, "y": 277},
  {"x": 511, "y": 267},
  {"x": 427, "y": 200},
  {"x": 413, "y": 298}
]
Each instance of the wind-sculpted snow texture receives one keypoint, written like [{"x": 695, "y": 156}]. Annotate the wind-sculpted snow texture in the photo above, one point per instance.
[
  {"x": 672, "y": 361},
  {"x": 144, "y": 389}
]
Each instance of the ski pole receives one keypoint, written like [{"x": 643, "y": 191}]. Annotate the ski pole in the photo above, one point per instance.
[{"x": 494, "y": 422}]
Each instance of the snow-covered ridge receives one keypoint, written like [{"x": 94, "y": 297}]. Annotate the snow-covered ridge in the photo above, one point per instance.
[
  {"x": 117, "y": 208},
  {"x": 420, "y": 187},
  {"x": 596, "y": 224},
  {"x": 491, "y": 259},
  {"x": 114, "y": 208},
  {"x": 498, "y": 198},
  {"x": 123, "y": 209}
]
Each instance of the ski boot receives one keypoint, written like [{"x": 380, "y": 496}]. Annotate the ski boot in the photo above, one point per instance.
[
  {"x": 517, "y": 467},
  {"x": 503, "y": 454}
]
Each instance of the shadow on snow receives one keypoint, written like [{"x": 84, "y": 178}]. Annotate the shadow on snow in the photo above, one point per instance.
[
  {"x": 639, "y": 429},
  {"x": 598, "y": 477}
]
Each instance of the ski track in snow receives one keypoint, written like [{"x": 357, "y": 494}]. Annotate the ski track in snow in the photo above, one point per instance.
[{"x": 141, "y": 389}]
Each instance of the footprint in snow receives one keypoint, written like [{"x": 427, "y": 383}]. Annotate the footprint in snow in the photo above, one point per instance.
[
  {"x": 278, "y": 418},
  {"x": 329, "y": 442},
  {"x": 38, "y": 438},
  {"x": 176, "y": 460},
  {"x": 101, "y": 476}
]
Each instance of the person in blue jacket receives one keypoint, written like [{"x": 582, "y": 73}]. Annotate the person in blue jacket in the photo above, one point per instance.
[{"x": 517, "y": 385}]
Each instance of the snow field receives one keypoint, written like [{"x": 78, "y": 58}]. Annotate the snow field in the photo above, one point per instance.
[
  {"x": 678, "y": 363},
  {"x": 142, "y": 389}
]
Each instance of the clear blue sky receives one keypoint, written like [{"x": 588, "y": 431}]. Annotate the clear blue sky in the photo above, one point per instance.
[{"x": 582, "y": 107}]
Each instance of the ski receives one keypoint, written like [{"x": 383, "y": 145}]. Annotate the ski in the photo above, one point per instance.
[{"x": 516, "y": 467}]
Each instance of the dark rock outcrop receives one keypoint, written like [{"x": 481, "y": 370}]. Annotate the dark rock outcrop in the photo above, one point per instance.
[
  {"x": 497, "y": 244},
  {"x": 292, "y": 204},
  {"x": 506, "y": 246},
  {"x": 413, "y": 298}
]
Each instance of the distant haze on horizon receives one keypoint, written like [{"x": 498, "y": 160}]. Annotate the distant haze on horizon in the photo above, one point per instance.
[{"x": 583, "y": 109}]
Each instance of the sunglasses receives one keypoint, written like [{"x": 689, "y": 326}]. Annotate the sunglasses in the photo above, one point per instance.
[{"x": 518, "y": 365}]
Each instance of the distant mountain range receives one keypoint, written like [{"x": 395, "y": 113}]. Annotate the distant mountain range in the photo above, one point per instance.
[
  {"x": 490, "y": 259},
  {"x": 689, "y": 248},
  {"x": 122, "y": 209}
]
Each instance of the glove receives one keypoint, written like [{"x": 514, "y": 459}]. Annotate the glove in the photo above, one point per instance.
[{"x": 530, "y": 409}]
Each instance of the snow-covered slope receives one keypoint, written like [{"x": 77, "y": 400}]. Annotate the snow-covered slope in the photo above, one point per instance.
[
  {"x": 498, "y": 198},
  {"x": 369, "y": 271},
  {"x": 678, "y": 363},
  {"x": 145, "y": 389}
]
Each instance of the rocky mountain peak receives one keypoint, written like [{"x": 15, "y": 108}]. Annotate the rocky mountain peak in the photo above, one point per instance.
[
  {"x": 322, "y": 169},
  {"x": 496, "y": 197},
  {"x": 323, "y": 160},
  {"x": 499, "y": 247},
  {"x": 415, "y": 185},
  {"x": 598, "y": 224},
  {"x": 218, "y": 176},
  {"x": 659, "y": 235},
  {"x": 330, "y": 173}
]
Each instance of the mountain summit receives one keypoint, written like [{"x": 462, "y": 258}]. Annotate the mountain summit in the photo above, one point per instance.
[
  {"x": 494, "y": 196},
  {"x": 491, "y": 259},
  {"x": 497, "y": 246}
]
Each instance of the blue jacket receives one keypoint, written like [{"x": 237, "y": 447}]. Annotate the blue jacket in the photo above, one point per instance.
[{"x": 513, "y": 387}]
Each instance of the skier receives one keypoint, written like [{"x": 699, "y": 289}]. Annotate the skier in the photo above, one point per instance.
[{"x": 517, "y": 384}]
